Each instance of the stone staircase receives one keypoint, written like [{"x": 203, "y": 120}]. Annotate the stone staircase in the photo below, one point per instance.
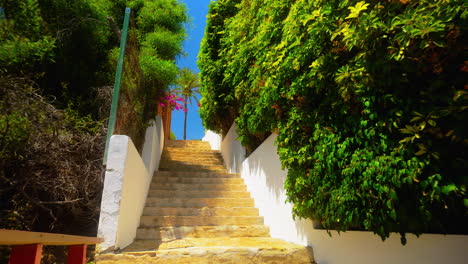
[{"x": 196, "y": 212}]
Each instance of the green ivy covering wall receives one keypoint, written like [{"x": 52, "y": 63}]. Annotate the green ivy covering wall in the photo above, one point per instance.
[{"x": 368, "y": 98}]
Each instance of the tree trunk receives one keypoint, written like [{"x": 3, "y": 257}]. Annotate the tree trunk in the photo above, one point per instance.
[{"x": 185, "y": 118}]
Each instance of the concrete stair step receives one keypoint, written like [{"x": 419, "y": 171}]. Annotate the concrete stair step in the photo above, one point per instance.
[
  {"x": 181, "y": 153},
  {"x": 187, "y": 143},
  {"x": 197, "y": 194},
  {"x": 238, "y": 250},
  {"x": 189, "y": 149},
  {"x": 180, "y": 167},
  {"x": 172, "y": 233},
  {"x": 199, "y": 202},
  {"x": 185, "y": 154},
  {"x": 196, "y": 156},
  {"x": 193, "y": 180},
  {"x": 205, "y": 211},
  {"x": 197, "y": 186},
  {"x": 189, "y": 152},
  {"x": 192, "y": 174},
  {"x": 154, "y": 221},
  {"x": 191, "y": 162}
]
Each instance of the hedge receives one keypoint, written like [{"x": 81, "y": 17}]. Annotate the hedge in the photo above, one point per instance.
[{"x": 369, "y": 100}]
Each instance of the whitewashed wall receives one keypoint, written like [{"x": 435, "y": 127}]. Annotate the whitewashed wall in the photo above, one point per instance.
[
  {"x": 153, "y": 146},
  {"x": 264, "y": 178},
  {"x": 213, "y": 139},
  {"x": 126, "y": 184},
  {"x": 232, "y": 151}
]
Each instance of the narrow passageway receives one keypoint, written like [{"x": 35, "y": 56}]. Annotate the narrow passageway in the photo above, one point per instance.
[{"x": 196, "y": 212}]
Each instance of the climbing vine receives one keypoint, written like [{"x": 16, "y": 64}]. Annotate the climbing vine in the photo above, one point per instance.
[{"x": 369, "y": 100}]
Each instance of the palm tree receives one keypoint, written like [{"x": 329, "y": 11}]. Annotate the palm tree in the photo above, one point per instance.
[{"x": 188, "y": 85}]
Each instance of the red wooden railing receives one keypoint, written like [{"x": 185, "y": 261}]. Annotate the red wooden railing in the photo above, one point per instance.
[{"x": 27, "y": 246}]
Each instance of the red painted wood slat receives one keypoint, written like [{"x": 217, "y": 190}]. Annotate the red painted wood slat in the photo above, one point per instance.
[
  {"x": 76, "y": 254},
  {"x": 26, "y": 254}
]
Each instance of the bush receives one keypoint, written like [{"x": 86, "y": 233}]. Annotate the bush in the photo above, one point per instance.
[{"x": 368, "y": 98}]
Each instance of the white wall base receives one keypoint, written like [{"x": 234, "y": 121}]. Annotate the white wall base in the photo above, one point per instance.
[{"x": 126, "y": 185}]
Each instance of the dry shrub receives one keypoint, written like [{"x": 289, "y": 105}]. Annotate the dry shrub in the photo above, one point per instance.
[{"x": 51, "y": 172}]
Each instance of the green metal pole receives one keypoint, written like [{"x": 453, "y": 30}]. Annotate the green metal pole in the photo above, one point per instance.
[{"x": 118, "y": 77}]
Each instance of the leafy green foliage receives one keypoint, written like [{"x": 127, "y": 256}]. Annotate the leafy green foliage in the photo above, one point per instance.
[
  {"x": 155, "y": 39},
  {"x": 219, "y": 103},
  {"x": 57, "y": 67},
  {"x": 368, "y": 99}
]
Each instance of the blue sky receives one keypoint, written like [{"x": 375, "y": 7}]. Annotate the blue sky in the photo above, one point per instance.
[{"x": 197, "y": 10}]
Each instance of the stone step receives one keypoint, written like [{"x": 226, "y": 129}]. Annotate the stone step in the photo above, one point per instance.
[
  {"x": 196, "y": 186},
  {"x": 189, "y": 152},
  {"x": 187, "y": 143},
  {"x": 155, "y": 221},
  {"x": 180, "y": 154},
  {"x": 172, "y": 233},
  {"x": 199, "y": 202},
  {"x": 188, "y": 161},
  {"x": 195, "y": 156},
  {"x": 238, "y": 250},
  {"x": 197, "y": 194},
  {"x": 205, "y": 211},
  {"x": 179, "y": 167},
  {"x": 162, "y": 180},
  {"x": 193, "y": 174}
]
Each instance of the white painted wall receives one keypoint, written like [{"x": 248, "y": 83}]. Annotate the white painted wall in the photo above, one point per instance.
[
  {"x": 232, "y": 151},
  {"x": 136, "y": 182},
  {"x": 154, "y": 143},
  {"x": 264, "y": 178},
  {"x": 126, "y": 185},
  {"x": 112, "y": 192},
  {"x": 213, "y": 139}
]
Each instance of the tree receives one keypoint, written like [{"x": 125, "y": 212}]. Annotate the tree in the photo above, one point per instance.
[
  {"x": 188, "y": 84},
  {"x": 57, "y": 66}
]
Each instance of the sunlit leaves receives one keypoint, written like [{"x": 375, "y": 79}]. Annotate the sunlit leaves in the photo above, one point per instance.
[
  {"x": 367, "y": 100},
  {"x": 357, "y": 9}
]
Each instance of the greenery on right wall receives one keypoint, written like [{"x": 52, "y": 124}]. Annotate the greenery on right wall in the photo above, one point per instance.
[{"x": 369, "y": 100}]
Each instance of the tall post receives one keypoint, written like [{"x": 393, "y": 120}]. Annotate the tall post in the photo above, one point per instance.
[{"x": 118, "y": 77}]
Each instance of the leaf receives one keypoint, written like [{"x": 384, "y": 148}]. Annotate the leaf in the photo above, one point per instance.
[
  {"x": 393, "y": 215},
  {"x": 448, "y": 189},
  {"x": 420, "y": 152},
  {"x": 360, "y": 6},
  {"x": 416, "y": 118}
]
